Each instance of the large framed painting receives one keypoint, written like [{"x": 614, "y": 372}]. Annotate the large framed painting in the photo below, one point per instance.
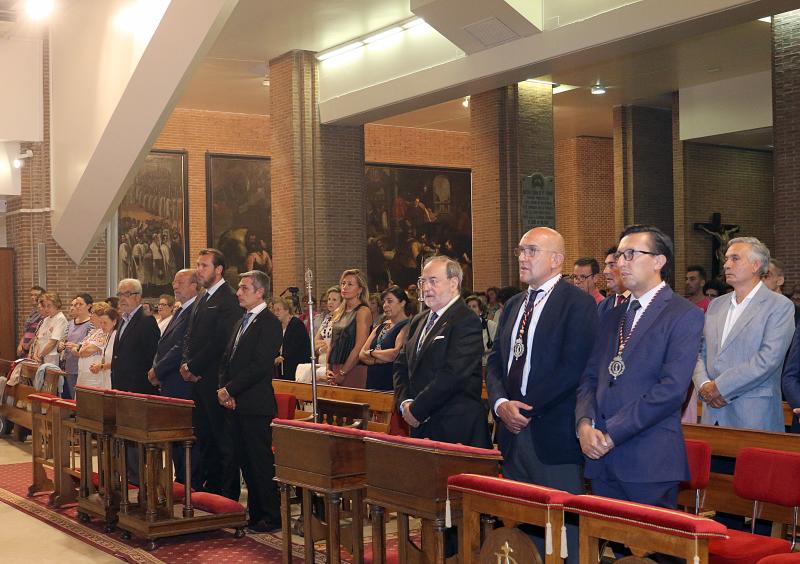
[
  {"x": 413, "y": 213},
  {"x": 240, "y": 212},
  {"x": 152, "y": 230}
]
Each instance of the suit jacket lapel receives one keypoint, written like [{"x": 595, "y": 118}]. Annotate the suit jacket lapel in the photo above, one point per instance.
[
  {"x": 747, "y": 315},
  {"x": 548, "y": 318},
  {"x": 437, "y": 329},
  {"x": 648, "y": 317},
  {"x": 128, "y": 326}
]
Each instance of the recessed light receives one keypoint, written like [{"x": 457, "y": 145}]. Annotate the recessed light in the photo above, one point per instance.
[{"x": 598, "y": 89}]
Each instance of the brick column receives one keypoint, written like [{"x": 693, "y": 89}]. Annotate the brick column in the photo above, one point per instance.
[
  {"x": 28, "y": 223},
  {"x": 785, "y": 128},
  {"x": 682, "y": 226},
  {"x": 512, "y": 175},
  {"x": 319, "y": 211},
  {"x": 643, "y": 167}
]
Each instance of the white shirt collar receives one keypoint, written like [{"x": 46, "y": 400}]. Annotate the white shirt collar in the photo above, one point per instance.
[
  {"x": 131, "y": 314},
  {"x": 258, "y": 309},
  {"x": 648, "y": 296},
  {"x": 440, "y": 312},
  {"x": 748, "y": 297},
  {"x": 215, "y": 287},
  {"x": 549, "y": 284},
  {"x": 188, "y": 303}
]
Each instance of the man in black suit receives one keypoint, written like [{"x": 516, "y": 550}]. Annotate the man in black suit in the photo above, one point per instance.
[
  {"x": 437, "y": 374},
  {"x": 210, "y": 326},
  {"x": 245, "y": 380},
  {"x": 165, "y": 373},
  {"x": 543, "y": 340},
  {"x": 134, "y": 348},
  {"x": 618, "y": 294}
]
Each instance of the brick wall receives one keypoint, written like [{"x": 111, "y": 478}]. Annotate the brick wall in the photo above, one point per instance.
[
  {"x": 734, "y": 182},
  {"x": 414, "y": 146},
  {"x": 585, "y": 197},
  {"x": 785, "y": 128}
]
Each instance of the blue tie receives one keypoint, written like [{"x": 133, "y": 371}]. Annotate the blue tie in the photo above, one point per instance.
[
  {"x": 428, "y": 326},
  {"x": 242, "y": 329},
  {"x": 630, "y": 315}
]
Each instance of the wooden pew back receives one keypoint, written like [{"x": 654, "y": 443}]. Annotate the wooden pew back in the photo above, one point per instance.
[{"x": 14, "y": 403}]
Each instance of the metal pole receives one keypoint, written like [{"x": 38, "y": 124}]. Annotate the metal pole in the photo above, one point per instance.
[{"x": 309, "y": 288}]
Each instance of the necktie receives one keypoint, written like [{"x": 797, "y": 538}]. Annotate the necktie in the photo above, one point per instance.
[
  {"x": 619, "y": 300},
  {"x": 174, "y": 318},
  {"x": 245, "y": 322},
  {"x": 630, "y": 315},
  {"x": 518, "y": 362},
  {"x": 428, "y": 326}
]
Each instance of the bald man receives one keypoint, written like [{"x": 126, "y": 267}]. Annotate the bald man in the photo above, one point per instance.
[{"x": 543, "y": 340}]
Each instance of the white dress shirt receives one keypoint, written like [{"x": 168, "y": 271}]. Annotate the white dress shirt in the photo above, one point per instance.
[
  {"x": 735, "y": 311},
  {"x": 644, "y": 301}
]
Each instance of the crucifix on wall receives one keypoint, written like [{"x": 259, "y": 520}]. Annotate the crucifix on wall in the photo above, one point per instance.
[{"x": 721, "y": 235}]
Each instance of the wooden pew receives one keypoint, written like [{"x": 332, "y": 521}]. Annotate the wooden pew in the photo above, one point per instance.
[
  {"x": 66, "y": 452},
  {"x": 43, "y": 451},
  {"x": 727, "y": 442},
  {"x": 14, "y": 404},
  {"x": 381, "y": 404}
]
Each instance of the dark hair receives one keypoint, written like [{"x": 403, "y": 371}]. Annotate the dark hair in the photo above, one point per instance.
[
  {"x": 38, "y": 289},
  {"x": 611, "y": 250},
  {"x": 217, "y": 258},
  {"x": 401, "y": 296},
  {"x": 506, "y": 293},
  {"x": 87, "y": 299},
  {"x": 589, "y": 261},
  {"x": 778, "y": 265},
  {"x": 717, "y": 285},
  {"x": 113, "y": 301},
  {"x": 474, "y": 298},
  {"x": 662, "y": 244},
  {"x": 698, "y": 269}
]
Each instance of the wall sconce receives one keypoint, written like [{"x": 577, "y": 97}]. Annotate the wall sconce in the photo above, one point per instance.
[{"x": 19, "y": 161}]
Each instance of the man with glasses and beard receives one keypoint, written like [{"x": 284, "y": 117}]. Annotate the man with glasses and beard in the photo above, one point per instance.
[{"x": 628, "y": 414}]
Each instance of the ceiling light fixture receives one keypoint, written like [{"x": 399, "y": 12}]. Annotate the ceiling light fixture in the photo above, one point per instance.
[
  {"x": 38, "y": 9},
  {"x": 340, "y": 50},
  {"x": 383, "y": 35},
  {"x": 413, "y": 23},
  {"x": 19, "y": 161},
  {"x": 598, "y": 88},
  {"x": 767, "y": 19},
  {"x": 372, "y": 38}
]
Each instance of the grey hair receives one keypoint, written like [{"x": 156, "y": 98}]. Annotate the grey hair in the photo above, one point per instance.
[
  {"x": 260, "y": 280},
  {"x": 137, "y": 286},
  {"x": 452, "y": 267},
  {"x": 758, "y": 251}
]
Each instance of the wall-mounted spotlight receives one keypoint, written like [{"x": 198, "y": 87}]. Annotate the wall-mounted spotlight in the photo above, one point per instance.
[
  {"x": 19, "y": 161},
  {"x": 465, "y": 102},
  {"x": 598, "y": 88}
]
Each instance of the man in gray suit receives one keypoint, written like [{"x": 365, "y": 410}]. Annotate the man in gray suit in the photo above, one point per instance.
[{"x": 746, "y": 336}]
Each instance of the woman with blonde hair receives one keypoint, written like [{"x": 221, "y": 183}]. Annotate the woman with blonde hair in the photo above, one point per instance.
[
  {"x": 52, "y": 330},
  {"x": 322, "y": 340},
  {"x": 351, "y": 327}
]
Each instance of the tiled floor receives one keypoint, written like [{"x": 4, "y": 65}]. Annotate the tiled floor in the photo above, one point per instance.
[{"x": 25, "y": 540}]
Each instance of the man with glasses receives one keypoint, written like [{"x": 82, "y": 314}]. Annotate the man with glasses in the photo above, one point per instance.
[
  {"x": 135, "y": 343},
  {"x": 584, "y": 276},
  {"x": 543, "y": 340},
  {"x": 628, "y": 414},
  {"x": 618, "y": 294},
  {"x": 437, "y": 374}
]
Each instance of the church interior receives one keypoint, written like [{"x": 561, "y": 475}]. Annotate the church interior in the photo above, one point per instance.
[{"x": 303, "y": 139}]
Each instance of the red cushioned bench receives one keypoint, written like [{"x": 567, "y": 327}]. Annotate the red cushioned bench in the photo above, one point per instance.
[
  {"x": 409, "y": 476},
  {"x": 328, "y": 460},
  {"x": 513, "y": 502},
  {"x": 642, "y": 528}
]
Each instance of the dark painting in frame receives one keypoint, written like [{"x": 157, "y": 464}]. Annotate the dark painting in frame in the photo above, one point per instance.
[
  {"x": 414, "y": 212},
  {"x": 239, "y": 212},
  {"x": 152, "y": 226}
]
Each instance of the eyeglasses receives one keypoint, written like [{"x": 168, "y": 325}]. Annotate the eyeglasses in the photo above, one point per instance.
[
  {"x": 628, "y": 254},
  {"x": 162, "y": 305},
  {"x": 529, "y": 252},
  {"x": 581, "y": 277},
  {"x": 432, "y": 282},
  {"x": 127, "y": 294}
]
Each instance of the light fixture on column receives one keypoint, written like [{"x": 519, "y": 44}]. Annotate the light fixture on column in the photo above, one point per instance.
[
  {"x": 465, "y": 102},
  {"x": 19, "y": 161},
  {"x": 598, "y": 88}
]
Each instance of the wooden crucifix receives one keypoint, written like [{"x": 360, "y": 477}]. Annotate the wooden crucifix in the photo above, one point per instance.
[{"x": 721, "y": 235}]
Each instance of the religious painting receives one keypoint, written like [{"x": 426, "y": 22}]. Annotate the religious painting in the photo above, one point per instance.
[
  {"x": 239, "y": 212},
  {"x": 414, "y": 213},
  {"x": 152, "y": 225}
]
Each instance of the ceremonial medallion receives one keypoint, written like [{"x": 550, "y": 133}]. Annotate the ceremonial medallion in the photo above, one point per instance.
[
  {"x": 616, "y": 367},
  {"x": 519, "y": 348}
]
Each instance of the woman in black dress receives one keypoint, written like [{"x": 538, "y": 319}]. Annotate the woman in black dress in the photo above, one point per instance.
[
  {"x": 296, "y": 347},
  {"x": 351, "y": 322},
  {"x": 386, "y": 340}
]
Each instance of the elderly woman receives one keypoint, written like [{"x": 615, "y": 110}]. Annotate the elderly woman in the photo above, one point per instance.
[
  {"x": 351, "y": 322},
  {"x": 79, "y": 326},
  {"x": 296, "y": 346},
  {"x": 95, "y": 352},
  {"x": 164, "y": 310},
  {"x": 52, "y": 330},
  {"x": 384, "y": 343}
]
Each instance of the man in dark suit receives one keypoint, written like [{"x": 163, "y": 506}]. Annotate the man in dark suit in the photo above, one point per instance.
[
  {"x": 210, "y": 326},
  {"x": 543, "y": 341},
  {"x": 165, "y": 372},
  {"x": 134, "y": 348},
  {"x": 618, "y": 294},
  {"x": 437, "y": 374},
  {"x": 628, "y": 414},
  {"x": 245, "y": 381}
]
